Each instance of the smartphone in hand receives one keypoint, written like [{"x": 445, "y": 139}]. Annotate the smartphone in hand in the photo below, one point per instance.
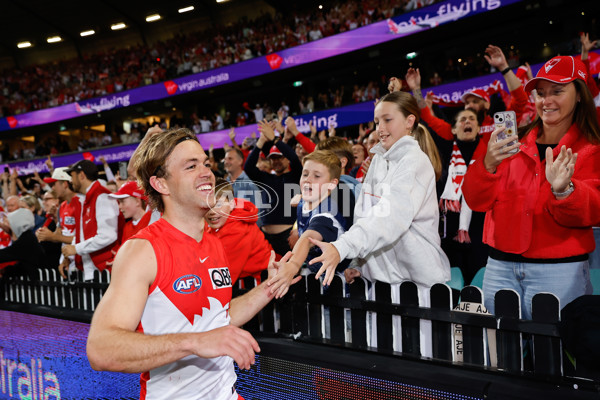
[
  {"x": 508, "y": 121},
  {"x": 123, "y": 170}
]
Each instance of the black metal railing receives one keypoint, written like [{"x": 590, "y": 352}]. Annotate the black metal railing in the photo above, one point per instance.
[{"x": 459, "y": 331}]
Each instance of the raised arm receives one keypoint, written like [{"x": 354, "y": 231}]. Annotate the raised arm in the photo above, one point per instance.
[
  {"x": 232, "y": 138},
  {"x": 250, "y": 165},
  {"x": 586, "y": 46},
  {"x": 5, "y": 188},
  {"x": 306, "y": 143},
  {"x": 110, "y": 176},
  {"x": 495, "y": 57},
  {"x": 442, "y": 128},
  {"x": 290, "y": 154}
]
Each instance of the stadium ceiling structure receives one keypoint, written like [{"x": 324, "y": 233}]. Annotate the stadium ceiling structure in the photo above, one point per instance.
[{"x": 35, "y": 21}]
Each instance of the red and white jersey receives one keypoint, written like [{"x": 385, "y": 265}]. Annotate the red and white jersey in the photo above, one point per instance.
[
  {"x": 191, "y": 293},
  {"x": 69, "y": 214}
]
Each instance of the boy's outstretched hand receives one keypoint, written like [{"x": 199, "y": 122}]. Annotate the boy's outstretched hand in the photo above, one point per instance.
[
  {"x": 285, "y": 271},
  {"x": 330, "y": 259}
]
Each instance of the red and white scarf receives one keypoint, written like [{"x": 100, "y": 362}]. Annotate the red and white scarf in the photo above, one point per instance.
[{"x": 452, "y": 198}]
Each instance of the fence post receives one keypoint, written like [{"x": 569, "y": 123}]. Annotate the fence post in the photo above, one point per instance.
[
  {"x": 315, "y": 313},
  {"x": 249, "y": 283},
  {"x": 358, "y": 318},
  {"x": 337, "y": 322},
  {"x": 508, "y": 310},
  {"x": 411, "y": 332},
  {"x": 441, "y": 332},
  {"x": 385, "y": 336},
  {"x": 472, "y": 335},
  {"x": 297, "y": 294},
  {"x": 545, "y": 307},
  {"x": 267, "y": 314}
]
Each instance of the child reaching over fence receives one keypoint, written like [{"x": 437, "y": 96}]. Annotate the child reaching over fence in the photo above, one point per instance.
[{"x": 318, "y": 217}]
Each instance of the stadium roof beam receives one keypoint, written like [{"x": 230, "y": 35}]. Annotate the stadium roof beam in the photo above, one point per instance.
[{"x": 62, "y": 33}]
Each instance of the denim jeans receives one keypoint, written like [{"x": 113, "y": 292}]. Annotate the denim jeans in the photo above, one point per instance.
[{"x": 567, "y": 281}]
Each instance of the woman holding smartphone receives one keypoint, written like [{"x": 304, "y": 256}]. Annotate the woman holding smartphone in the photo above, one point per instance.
[{"x": 541, "y": 202}]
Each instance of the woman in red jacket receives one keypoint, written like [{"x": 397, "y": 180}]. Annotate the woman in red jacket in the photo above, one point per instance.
[{"x": 541, "y": 202}]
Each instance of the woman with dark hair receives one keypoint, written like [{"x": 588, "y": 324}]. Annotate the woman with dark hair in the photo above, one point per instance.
[
  {"x": 461, "y": 229},
  {"x": 542, "y": 202}
]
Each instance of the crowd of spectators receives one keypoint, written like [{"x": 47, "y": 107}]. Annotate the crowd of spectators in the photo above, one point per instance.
[
  {"x": 48, "y": 85},
  {"x": 267, "y": 167}
]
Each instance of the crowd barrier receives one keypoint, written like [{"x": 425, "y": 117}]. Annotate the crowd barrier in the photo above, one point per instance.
[{"x": 460, "y": 334}]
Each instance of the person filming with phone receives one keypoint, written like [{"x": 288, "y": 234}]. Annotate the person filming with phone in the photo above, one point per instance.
[{"x": 542, "y": 201}]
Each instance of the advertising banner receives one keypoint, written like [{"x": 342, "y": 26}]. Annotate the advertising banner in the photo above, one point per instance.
[{"x": 371, "y": 35}]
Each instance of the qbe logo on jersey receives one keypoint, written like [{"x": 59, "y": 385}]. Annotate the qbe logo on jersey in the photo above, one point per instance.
[{"x": 220, "y": 277}]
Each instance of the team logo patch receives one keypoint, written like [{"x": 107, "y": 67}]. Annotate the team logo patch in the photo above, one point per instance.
[
  {"x": 550, "y": 64},
  {"x": 69, "y": 220},
  {"x": 220, "y": 277},
  {"x": 187, "y": 284}
]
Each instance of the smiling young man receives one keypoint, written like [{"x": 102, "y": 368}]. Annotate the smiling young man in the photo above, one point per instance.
[{"x": 179, "y": 327}]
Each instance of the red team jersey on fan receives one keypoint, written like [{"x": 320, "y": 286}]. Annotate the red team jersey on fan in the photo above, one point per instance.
[
  {"x": 191, "y": 293},
  {"x": 68, "y": 215}
]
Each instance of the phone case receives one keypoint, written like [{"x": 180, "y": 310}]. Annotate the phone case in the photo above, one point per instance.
[
  {"x": 508, "y": 121},
  {"x": 123, "y": 170}
]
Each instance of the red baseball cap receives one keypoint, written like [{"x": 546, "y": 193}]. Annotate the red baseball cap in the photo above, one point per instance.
[
  {"x": 275, "y": 152},
  {"x": 482, "y": 94},
  {"x": 560, "y": 69},
  {"x": 128, "y": 189}
]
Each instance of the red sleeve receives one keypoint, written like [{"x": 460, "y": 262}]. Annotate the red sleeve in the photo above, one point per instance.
[
  {"x": 306, "y": 143},
  {"x": 480, "y": 187},
  {"x": 438, "y": 125},
  {"x": 259, "y": 253},
  {"x": 518, "y": 101},
  {"x": 245, "y": 152},
  {"x": 591, "y": 82},
  {"x": 232, "y": 238}
]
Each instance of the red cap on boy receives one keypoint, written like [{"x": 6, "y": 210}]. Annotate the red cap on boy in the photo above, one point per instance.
[{"x": 130, "y": 188}]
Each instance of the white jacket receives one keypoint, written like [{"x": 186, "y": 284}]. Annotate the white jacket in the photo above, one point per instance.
[{"x": 395, "y": 231}]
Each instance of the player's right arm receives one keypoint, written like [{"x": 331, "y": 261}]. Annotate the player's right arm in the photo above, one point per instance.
[{"x": 113, "y": 343}]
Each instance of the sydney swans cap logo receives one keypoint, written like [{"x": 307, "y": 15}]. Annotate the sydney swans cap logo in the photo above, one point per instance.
[{"x": 550, "y": 64}]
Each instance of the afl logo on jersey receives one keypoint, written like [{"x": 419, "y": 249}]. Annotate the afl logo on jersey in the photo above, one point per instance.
[{"x": 187, "y": 284}]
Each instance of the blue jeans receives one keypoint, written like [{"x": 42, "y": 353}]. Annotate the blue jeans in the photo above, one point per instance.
[{"x": 567, "y": 281}]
